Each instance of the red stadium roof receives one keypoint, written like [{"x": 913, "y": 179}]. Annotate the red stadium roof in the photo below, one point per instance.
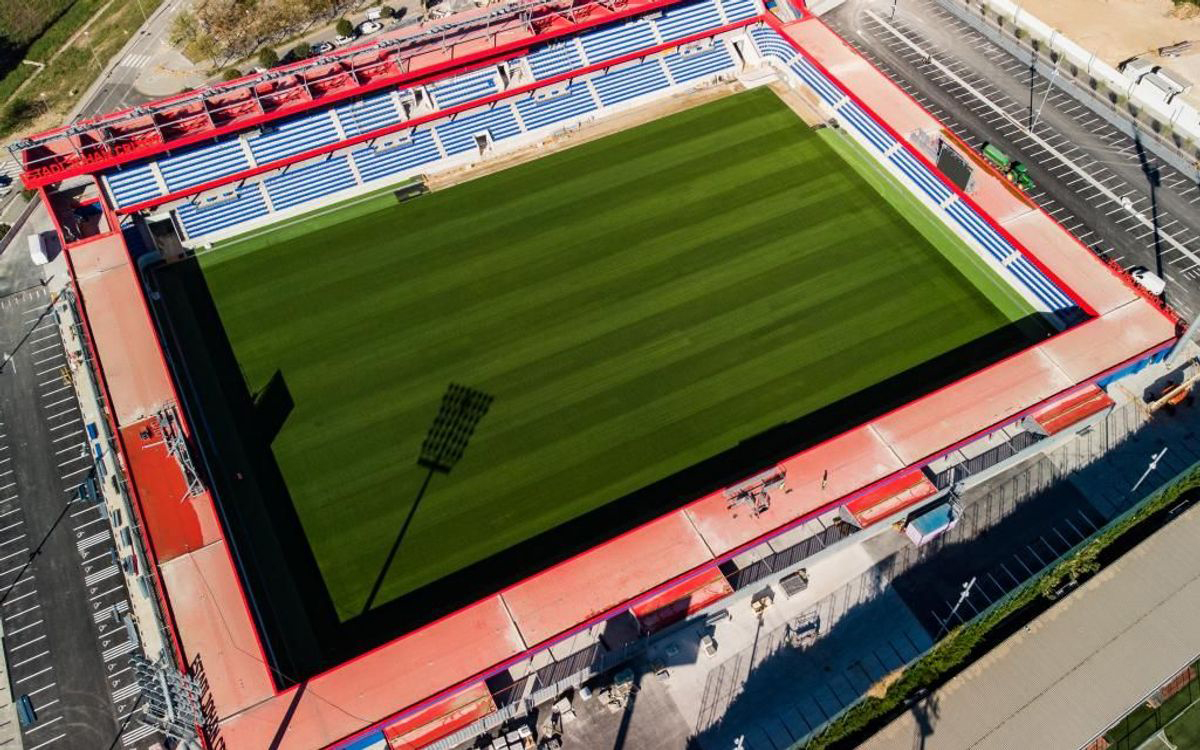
[
  {"x": 403, "y": 56},
  {"x": 423, "y": 671}
]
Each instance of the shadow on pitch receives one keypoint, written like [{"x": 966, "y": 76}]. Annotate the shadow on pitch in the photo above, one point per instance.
[{"x": 460, "y": 412}]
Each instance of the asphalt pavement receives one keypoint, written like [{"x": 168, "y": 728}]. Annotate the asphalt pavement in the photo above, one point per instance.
[{"x": 1117, "y": 198}]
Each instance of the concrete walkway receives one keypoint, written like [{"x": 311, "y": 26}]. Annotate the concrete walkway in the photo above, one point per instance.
[{"x": 1080, "y": 665}]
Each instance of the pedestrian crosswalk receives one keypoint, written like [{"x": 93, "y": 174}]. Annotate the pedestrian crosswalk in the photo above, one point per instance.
[{"x": 135, "y": 61}]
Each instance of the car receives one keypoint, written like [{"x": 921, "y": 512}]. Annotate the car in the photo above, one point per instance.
[
  {"x": 323, "y": 48},
  {"x": 1148, "y": 280},
  {"x": 369, "y": 27},
  {"x": 342, "y": 41}
]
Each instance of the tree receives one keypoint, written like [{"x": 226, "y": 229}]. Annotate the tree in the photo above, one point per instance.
[
  {"x": 230, "y": 73},
  {"x": 301, "y": 51},
  {"x": 344, "y": 27},
  {"x": 184, "y": 29},
  {"x": 387, "y": 11},
  {"x": 268, "y": 57}
]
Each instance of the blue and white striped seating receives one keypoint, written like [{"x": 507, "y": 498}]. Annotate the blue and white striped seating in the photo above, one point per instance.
[
  {"x": 629, "y": 82},
  {"x": 311, "y": 181},
  {"x": 698, "y": 64},
  {"x": 363, "y": 116},
  {"x": 536, "y": 114},
  {"x": 464, "y": 88},
  {"x": 198, "y": 221},
  {"x": 610, "y": 42},
  {"x": 197, "y": 165},
  {"x": 739, "y": 10},
  {"x": 980, "y": 230},
  {"x": 817, "y": 81},
  {"x": 866, "y": 126},
  {"x": 1041, "y": 287},
  {"x": 419, "y": 150},
  {"x": 770, "y": 44},
  {"x": 555, "y": 59},
  {"x": 293, "y": 136},
  {"x": 458, "y": 135},
  {"x": 129, "y": 185},
  {"x": 924, "y": 179},
  {"x": 684, "y": 20}
]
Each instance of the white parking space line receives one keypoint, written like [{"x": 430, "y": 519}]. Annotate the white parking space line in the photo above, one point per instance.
[
  {"x": 41, "y": 689},
  {"x": 53, "y": 739},
  {"x": 38, "y": 673}
]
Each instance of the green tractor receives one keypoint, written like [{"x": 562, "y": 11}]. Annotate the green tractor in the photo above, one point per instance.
[{"x": 1015, "y": 171}]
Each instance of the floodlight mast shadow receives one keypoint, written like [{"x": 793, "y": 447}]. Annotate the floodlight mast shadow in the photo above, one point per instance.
[{"x": 461, "y": 410}]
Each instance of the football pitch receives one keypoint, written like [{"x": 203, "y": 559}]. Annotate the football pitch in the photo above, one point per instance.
[{"x": 632, "y": 306}]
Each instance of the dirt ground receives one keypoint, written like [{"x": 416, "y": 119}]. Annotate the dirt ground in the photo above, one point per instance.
[{"x": 1120, "y": 29}]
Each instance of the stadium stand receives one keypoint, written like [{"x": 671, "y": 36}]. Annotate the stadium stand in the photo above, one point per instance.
[
  {"x": 555, "y": 59},
  {"x": 129, "y": 185},
  {"x": 416, "y": 150},
  {"x": 686, "y": 67},
  {"x": 458, "y": 135},
  {"x": 245, "y": 205},
  {"x": 1008, "y": 259},
  {"x": 464, "y": 88},
  {"x": 203, "y": 164},
  {"x": 293, "y": 136},
  {"x": 684, "y": 20},
  {"x": 633, "y": 80},
  {"x": 308, "y": 182},
  {"x": 614, "y": 41},
  {"x": 371, "y": 113}
]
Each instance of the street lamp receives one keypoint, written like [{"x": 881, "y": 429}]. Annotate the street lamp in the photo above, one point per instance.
[
  {"x": 1151, "y": 467},
  {"x": 962, "y": 597}
]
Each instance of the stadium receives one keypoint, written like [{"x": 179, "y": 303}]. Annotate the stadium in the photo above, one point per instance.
[{"x": 448, "y": 369}]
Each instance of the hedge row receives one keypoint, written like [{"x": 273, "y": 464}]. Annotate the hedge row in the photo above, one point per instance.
[{"x": 950, "y": 654}]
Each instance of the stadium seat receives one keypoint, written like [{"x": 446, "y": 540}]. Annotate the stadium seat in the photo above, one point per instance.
[
  {"x": 629, "y": 82},
  {"x": 130, "y": 185},
  {"x": 555, "y": 59},
  {"x": 419, "y": 150},
  {"x": 293, "y": 136},
  {"x": 685, "y": 20},
  {"x": 199, "y": 165},
  {"x": 610, "y": 42},
  {"x": 699, "y": 64},
  {"x": 311, "y": 181},
  {"x": 538, "y": 113},
  {"x": 458, "y": 135},
  {"x": 367, "y": 114},
  {"x": 199, "y": 221},
  {"x": 464, "y": 88}
]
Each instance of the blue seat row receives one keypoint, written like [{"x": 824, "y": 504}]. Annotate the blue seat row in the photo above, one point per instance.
[
  {"x": 698, "y": 64},
  {"x": 866, "y": 126},
  {"x": 1041, "y": 287},
  {"x": 538, "y": 113},
  {"x": 684, "y": 20},
  {"x": 419, "y": 150},
  {"x": 198, "y": 165},
  {"x": 739, "y": 10},
  {"x": 130, "y": 185},
  {"x": 367, "y": 114},
  {"x": 198, "y": 221},
  {"x": 919, "y": 174},
  {"x": 980, "y": 230},
  {"x": 464, "y": 88},
  {"x": 610, "y": 42},
  {"x": 630, "y": 82},
  {"x": 301, "y": 184},
  {"x": 555, "y": 59},
  {"x": 458, "y": 135},
  {"x": 293, "y": 136}
]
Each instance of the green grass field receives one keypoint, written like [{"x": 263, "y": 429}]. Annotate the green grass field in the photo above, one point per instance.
[{"x": 634, "y": 305}]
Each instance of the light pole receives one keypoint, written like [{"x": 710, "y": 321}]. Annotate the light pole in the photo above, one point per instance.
[
  {"x": 1049, "y": 86},
  {"x": 962, "y": 597},
  {"x": 87, "y": 34},
  {"x": 1151, "y": 467}
]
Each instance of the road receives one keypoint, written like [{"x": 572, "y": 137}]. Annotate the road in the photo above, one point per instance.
[{"x": 1117, "y": 198}]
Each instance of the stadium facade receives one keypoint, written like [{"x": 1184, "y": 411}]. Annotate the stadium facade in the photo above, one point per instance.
[{"x": 248, "y": 154}]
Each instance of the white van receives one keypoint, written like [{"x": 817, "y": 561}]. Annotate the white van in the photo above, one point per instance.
[
  {"x": 37, "y": 249},
  {"x": 1148, "y": 280}
]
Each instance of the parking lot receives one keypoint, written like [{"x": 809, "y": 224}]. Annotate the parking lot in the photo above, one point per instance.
[
  {"x": 62, "y": 595},
  {"x": 1089, "y": 176}
]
